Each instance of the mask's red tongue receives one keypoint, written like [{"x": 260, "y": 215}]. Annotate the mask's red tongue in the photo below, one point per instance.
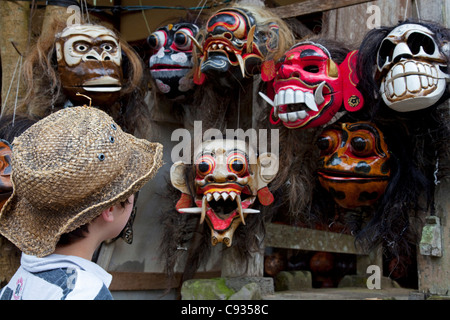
[{"x": 218, "y": 223}]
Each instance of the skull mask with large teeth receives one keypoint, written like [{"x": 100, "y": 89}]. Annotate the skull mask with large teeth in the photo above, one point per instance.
[
  {"x": 412, "y": 68},
  {"x": 228, "y": 179}
]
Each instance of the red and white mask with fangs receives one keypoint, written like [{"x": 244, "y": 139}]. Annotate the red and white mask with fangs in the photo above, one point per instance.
[
  {"x": 307, "y": 88},
  {"x": 228, "y": 179}
]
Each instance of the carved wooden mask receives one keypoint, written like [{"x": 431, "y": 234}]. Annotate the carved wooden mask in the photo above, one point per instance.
[
  {"x": 354, "y": 163},
  {"x": 228, "y": 179},
  {"x": 89, "y": 62},
  {"x": 6, "y": 187}
]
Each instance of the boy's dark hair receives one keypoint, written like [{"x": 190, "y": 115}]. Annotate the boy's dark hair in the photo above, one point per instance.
[
  {"x": 79, "y": 233},
  {"x": 12, "y": 126},
  {"x": 70, "y": 237}
]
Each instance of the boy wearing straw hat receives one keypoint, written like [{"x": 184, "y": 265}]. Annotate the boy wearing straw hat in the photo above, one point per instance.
[{"x": 74, "y": 176}]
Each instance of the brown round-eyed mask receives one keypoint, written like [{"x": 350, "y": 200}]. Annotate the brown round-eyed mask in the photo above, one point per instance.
[
  {"x": 354, "y": 163},
  {"x": 6, "y": 187},
  {"x": 89, "y": 62}
]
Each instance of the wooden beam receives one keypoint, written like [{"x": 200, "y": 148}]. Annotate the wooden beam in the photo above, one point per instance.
[
  {"x": 312, "y": 6},
  {"x": 140, "y": 281},
  {"x": 288, "y": 237}
]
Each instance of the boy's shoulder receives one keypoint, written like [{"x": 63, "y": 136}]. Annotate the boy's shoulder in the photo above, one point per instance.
[
  {"x": 44, "y": 285},
  {"x": 85, "y": 285},
  {"x": 67, "y": 281}
]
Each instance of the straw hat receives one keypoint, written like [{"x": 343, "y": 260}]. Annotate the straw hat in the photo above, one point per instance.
[{"x": 66, "y": 169}]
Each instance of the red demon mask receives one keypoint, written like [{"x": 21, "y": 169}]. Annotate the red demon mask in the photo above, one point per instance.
[{"x": 308, "y": 88}]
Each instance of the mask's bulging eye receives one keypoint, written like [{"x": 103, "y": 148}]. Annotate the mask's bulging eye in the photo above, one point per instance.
[
  {"x": 362, "y": 146},
  {"x": 324, "y": 143},
  {"x": 237, "y": 163},
  {"x": 81, "y": 47},
  {"x": 182, "y": 40},
  {"x": 4, "y": 163},
  {"x": 311, "y": 69},
  {"x": 157, "y": 40},
  {"x": 328, "y": 142},
  {"x": 205, "y": 165},
  {"x": 108, "y": 47},
  {"x": 359, "y": 144}
]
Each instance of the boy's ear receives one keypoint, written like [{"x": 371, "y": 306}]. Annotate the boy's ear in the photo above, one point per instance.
[{"x": 107, "y": 214}]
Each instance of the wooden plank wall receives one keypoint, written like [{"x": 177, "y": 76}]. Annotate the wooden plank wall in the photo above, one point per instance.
[
  {"x": 434, "y": 272},
  {"x": 349, "y": 24}
]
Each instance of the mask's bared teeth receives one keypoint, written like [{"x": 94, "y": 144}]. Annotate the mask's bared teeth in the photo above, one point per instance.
[
  {"x": 190, "y": 210},
  {"x": 204, "y": 201},
  {"x": 249, "y": 210},
  {"x": 199, "y": 47},
  {"x": 250, "y": 39},
  {"x": 225, "y": 195},
  {"x": 233, "y": 195},
  {"x": 318, "y": 94},
  {"x": 239, "y": 208},
  {"x": 216, "y": 196},
  {"x": 209, "y": 196},
  {"x": 268, "y": 100},
  {"x": 241, "y": 64}
]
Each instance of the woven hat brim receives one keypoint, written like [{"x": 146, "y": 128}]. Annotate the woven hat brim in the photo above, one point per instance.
[{"x": 36, "y": 232}]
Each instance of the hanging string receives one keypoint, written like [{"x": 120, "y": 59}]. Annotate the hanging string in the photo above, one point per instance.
[
  {"x": 81, "y": 9},
  {"x": 100, "y": 8},
  {"x": 10, "y": 86},
  {"x": 84, "y": 11},
  {"x": 17, "y": 90},
  {"x": 33, "y": 8},
  {"x": 418, "y": 11},
  {"x": 202, "y": 6},
  {"x": 145, "y": 7},
  {"x": 406, "y": 10},
  {"x": 145, "y": 18},
  {"x": 87, "y": 12}
]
